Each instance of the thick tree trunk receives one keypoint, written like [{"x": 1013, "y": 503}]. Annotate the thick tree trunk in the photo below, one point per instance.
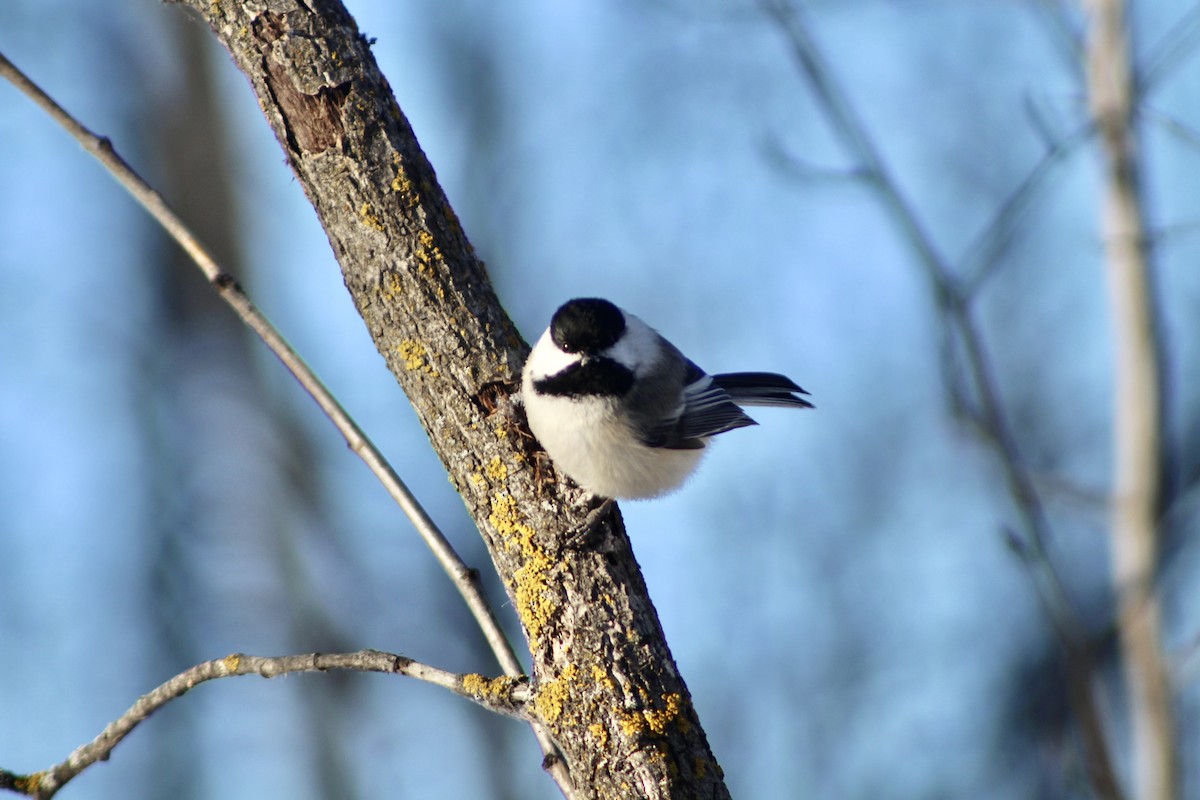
[{"x": 606, "y": 685}]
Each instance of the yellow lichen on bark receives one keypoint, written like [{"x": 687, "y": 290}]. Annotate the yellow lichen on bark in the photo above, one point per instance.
[
  {"x": 652, "y": 719},
  {"x": 531, "y": 587},
  {"x": 552, "y": 695},
  {"x": 485, "y": 688},
  {"x": 369, "y": 218},
  {"x": 416, "y": 357},
  {"x": 496, "y": 470},
  {"x": 428, "y": 252}
]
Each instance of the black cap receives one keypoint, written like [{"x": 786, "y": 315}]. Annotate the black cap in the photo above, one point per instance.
[{"x": 586, "y": 325}]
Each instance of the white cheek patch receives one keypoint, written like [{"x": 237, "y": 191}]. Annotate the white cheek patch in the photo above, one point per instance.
[
  {"x": 638, "y": 348},
  {"x": 546, "y": 359}
]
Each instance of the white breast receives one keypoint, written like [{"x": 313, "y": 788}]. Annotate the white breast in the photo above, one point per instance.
[{"x": 588, "y": 442}]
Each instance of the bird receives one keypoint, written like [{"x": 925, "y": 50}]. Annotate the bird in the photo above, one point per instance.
[{"x": 622, "y": 412}]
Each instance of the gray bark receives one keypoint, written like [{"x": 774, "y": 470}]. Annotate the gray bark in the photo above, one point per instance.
[{"x": 605, "y": 682}]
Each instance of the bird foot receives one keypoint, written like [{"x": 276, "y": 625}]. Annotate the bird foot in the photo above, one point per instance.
[{"x": 586, "y": 534}]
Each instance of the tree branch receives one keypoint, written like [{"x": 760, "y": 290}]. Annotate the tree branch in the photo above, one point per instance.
[
  {"x": 984, "y": 254},
  {"x": 1176, "y": 46},
  {"x": 605, "y": 684},
  {"x": 1138, "y": 426},
  {"x": 465, "y": 579},
  {"x": 953, "y": 303},
  {"x": 505, "y": 695}
]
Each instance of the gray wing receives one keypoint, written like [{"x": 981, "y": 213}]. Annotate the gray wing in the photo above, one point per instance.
[{"x": 683, "y": 417}]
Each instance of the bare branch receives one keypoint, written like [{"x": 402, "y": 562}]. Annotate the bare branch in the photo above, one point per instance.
[
  {"x": 985, "y": 253},
  {"x": 1137, "y": 480},
  {"x": 505, "y": 695},
  {"x": 981, "y": 395},
  {"x": 1182, "y": 132},
  {"x": 1175, "y": 47},
  {"x": 1068, "y": 36},
  {"x": 1041, "y": 126},
  {"x": 607, "y": 685},
  {"x": 803, "y": 170},
  {"x": 951, "y": 299},
  {"x": 465, "y": 579},
  {"x": 1187, "y": 135},
  {"x": 853, "y": 133}
]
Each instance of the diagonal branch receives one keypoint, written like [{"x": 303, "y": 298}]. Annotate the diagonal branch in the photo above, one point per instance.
[
  {"x": 465, "y": 579},
  {"x": 1175, "y": 47},
  {"x": 985, "y": 254},
  {"x": 605, "y": 683},
  {"x": 953, "y": 302},
  {"x": 505, "y": 695},
  {"x": 852, "y": 132}
]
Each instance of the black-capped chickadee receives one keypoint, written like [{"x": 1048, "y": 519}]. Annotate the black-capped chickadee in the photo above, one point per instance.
[{"x": 621, "y": 411}]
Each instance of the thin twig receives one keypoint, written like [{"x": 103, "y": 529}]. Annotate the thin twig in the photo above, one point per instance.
[
  {"x": 953, "y": 302},
  {"x": 1039, "y": 123},
  {"x": 505, "y": 695},
  {"x": 465, "y": 579},
  {"x": 851, "y": 130},
  {"x": 1183, "y": 132},
  {"x": 1176, "y": 45},
  {"x": 232, "y": 294},
  {"x": 951, "y": 298},
  {"x": 803, "y": 170},
  {"x": 1137, "y": 424},
  {"x": 985, "y": 253},
  {"x": 1068, "y": 38}
]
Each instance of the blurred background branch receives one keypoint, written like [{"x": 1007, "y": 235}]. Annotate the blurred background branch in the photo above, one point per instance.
[
  {"x": 465, "y": 579},
  {"x": 979, "y": 398},
  {"x": 1137, "y": 489}
]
